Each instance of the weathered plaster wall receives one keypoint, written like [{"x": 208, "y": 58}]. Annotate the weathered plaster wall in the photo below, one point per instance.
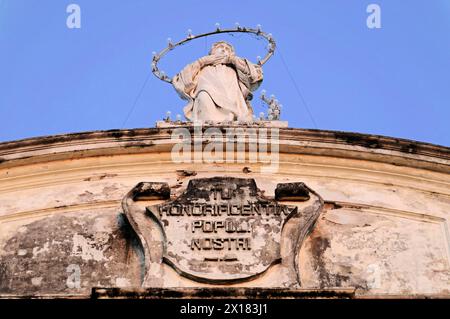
[{"x": 384, "y": 229}]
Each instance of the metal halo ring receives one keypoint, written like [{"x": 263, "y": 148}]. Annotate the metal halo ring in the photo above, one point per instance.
[{"x": 160, "y": 75}]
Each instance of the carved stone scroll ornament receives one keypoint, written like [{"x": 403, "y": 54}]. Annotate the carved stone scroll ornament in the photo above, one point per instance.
[{"x": 222, "y": 230}]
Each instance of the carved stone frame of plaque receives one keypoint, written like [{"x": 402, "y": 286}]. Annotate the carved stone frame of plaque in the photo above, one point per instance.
[{"x": 222, "y": 230}]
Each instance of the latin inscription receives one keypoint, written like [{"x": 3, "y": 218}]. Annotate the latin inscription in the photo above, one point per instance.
[
  {"x": 224, "y": 209},
  {"x": 212, "y": 232},
  {"x": 221, "y": 228}
]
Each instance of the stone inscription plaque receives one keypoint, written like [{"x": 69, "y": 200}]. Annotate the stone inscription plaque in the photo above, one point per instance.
[{"x": 220, "y": 229}]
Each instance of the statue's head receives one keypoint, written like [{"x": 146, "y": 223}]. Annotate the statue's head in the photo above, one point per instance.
[{"x": 221, "y": 48}]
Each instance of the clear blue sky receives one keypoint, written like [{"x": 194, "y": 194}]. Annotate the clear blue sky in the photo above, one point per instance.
[{"x": 391, "y": 81}]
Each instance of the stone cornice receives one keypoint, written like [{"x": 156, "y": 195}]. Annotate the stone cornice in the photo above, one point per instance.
[{"x": 292, "y": 141}]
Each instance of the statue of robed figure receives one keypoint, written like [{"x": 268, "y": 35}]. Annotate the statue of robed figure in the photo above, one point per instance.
[{"x": 219, "y": 86}]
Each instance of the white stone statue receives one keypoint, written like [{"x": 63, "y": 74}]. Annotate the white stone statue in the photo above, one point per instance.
[{"x": 219, "y": 86}]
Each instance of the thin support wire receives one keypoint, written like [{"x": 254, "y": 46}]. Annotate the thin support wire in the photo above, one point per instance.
[
  {"x": 297, "y": 89},
  {"x": 136, "y": 100}
]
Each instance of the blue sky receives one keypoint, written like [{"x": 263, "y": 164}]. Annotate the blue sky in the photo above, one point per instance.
[{"x": 391, "y": 81}]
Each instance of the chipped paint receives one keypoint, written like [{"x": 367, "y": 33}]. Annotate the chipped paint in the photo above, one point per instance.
[{"x": 89, "y": 248}]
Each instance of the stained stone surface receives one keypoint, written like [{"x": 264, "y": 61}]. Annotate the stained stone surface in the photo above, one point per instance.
[
  {"x": 42, "y": 256},
  {"x": 383, "y": 228}
]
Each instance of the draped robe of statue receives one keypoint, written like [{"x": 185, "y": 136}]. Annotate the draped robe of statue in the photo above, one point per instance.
[{"x": 220, "y": 92}]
